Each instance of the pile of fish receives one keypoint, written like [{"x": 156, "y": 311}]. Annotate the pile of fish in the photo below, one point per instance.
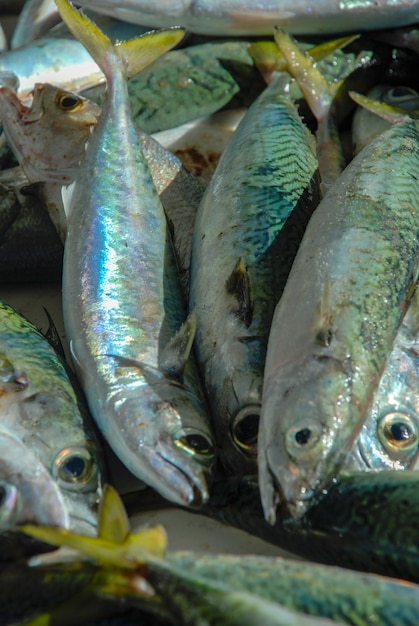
[{"x": 243, "y": 327}]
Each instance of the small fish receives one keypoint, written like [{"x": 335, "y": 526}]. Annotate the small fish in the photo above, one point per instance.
[
  {"x": 352, "y": 277},
  {"x": 122, "y": 304},
  {"x": 247, "y": 230},
  {"x": 35, "y": 19},
  {"x": 252, "y": 17},
  {"x": 40, "y": 408}
]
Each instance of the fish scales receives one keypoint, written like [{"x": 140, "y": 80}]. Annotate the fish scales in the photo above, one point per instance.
[
  {"x": 243, "y": 245},
  {"x": 351, "y": 278},
  {"x": 121, "y": 301}
]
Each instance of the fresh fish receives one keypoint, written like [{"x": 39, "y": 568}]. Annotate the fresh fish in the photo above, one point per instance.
[
  {"x": 122, "y": 305},
  {"x": 247, "y": 231},
  {"x": 39, "y": 407},
  {"x": 133, "y": 570},
  {"x": 367, "y": 125},
  {"x": 58, "y": 58},
  {"x": 352, "y": 278},
  {"x": 389, "y": 437},
  {"x": 252, "y": 17}
]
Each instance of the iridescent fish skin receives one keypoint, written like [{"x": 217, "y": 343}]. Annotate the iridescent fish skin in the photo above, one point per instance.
[
  {"x": 351, "y": 278},
  {"x": 253, "y": 17},
  {"x": 39, "y": 406},
  {"x": 247, "y": 230},
  {"x": 389, "y": 437},
  {"x": 122, "y": 303}
]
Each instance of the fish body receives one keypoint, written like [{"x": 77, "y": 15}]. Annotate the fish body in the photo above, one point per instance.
[
  {"x": 351, "y": 279},
  {"x": 122, "y": 303},
  {"x": 252, "y": 17},
  {"x": 247, "y": 230},
  {"x": 40, "y": 409}
]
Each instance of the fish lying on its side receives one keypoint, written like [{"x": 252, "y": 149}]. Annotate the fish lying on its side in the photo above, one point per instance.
[
  {"x": 121, "y": 299},
  {"x": 352, "y": 278},
  {"x": 253, "y": 17},
  {"x": 247, "y": 230},
  {"x": 45, "y": 423}
]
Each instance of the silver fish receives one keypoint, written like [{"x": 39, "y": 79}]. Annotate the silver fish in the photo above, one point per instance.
[
  {"x": 122, "y": 305},
  {"x": 335, "y": 323},
  {"x": 389, "y": 437},
  {"x": 256, "y": 17}
]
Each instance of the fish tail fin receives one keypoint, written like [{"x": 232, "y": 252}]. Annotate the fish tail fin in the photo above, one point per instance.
[
  {"x": 135, "y": 54},
  {"x": 388, "y": 112},
  {"x": 268, "y": 58}
]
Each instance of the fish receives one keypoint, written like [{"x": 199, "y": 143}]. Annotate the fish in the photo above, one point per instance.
[
  {"x": 40, "y": 409},
  {"x": 352, "y": 277},
  {"x": 135, "y": 570},
  {"x": 236, "y": 17},
  {"x": 122, "y": 305},
  {"x": 34, "y": 20},
  {"x": 247, "y": 230}
]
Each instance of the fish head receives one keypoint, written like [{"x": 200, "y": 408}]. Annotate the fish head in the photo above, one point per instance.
[
  {"x": 28, "y": 492},
  {"x": 56, "y": 427},
  {"x": 305, "y": 432},
  {"x": 161, "y": 437},
  {"x": 48, "y": 136}
]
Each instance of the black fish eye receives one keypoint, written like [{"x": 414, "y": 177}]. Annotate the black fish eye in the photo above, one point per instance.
[
  {"x": 74, "y": 467},
  {"x": 195, "y": 443},
  {"x": 67, "y": 101},
  {"x": 401, "y": 94},
  {"x": 245, "y": 428}
]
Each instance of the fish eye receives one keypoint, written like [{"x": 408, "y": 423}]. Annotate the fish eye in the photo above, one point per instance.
[
  {"x": 75, "y": 469},
  {"x": 398, "y": 432},
  {"x": 245, "y": 429},
  {"x": 302, "y": 438},
  {"x": 401, "y": 95},
  {"x": 196, "y": 443},
  {"x": 67, "y": 101}
]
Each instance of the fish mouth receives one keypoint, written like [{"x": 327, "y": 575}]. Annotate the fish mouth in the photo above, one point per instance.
[{"x": 187, "y": 488}]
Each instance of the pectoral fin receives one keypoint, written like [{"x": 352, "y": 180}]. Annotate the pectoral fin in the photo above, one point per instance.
[{"x": 238, "y": 285}]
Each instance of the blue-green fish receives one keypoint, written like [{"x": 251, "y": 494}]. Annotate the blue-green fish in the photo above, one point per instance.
[
  {"x": 122, "y": 305},
  {"x": 335, "y": 323},
  {"x": 247, "y": 230}
]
